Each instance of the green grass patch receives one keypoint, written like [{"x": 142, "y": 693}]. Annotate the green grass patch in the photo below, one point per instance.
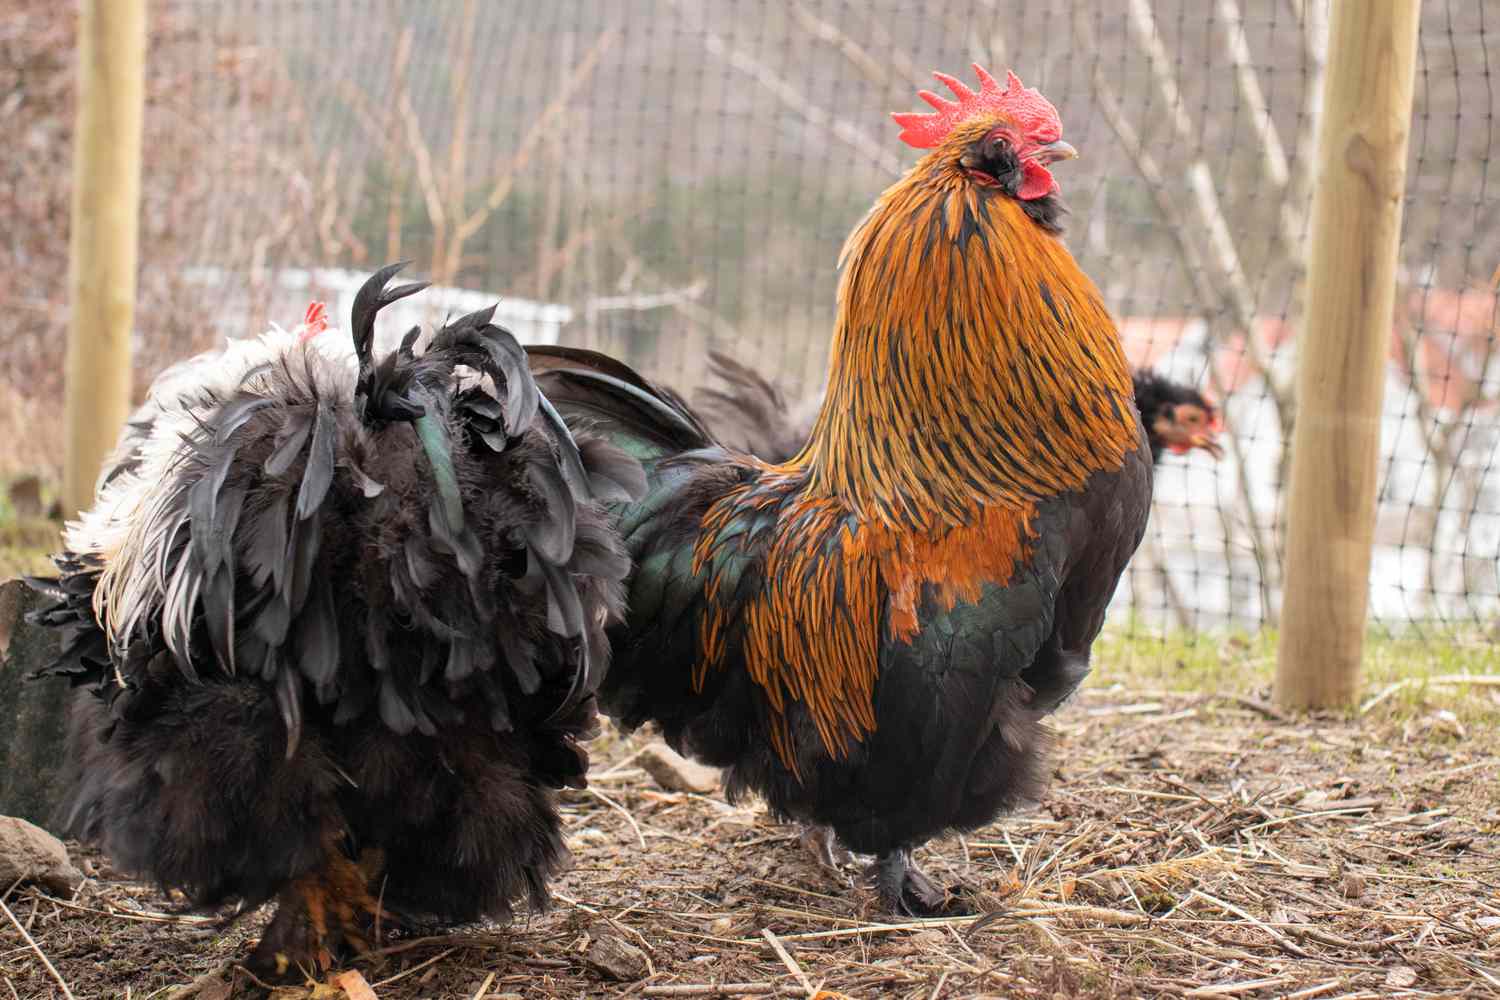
[
  {"x": 25, "y": 542},
  {"x": 1420, "y": 659},
  {"x": 26, "y": 558}
]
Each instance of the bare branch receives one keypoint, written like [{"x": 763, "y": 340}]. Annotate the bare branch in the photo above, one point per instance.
[
  {"x": 896, "y": 54},
  {"x": 1315, "y": 56},
  {"x": 647, "y": 301},
  {"x": 991, "y": 50},
  {"x": 1146, "y": 166},
  {"x": 587, "y": 273},
  {"x": 505, "y": 181},
  {"x": 1178, "y": 224},
  {"x": 1274, "y": 159},
  {"x": 363, "y": 113},
  {"x": 686, "y": 305},
  {"x": 581, "y": 238},
  {"x": 1152, "y": 555},
  {"x": 1445, "y": 439},
  {"x": 1237, "y": 296},
  {"x": 384, "y": 137},
  {"x": 825, "y": 31},
  {"x": 795, "y": 100},
  {"x": 327, "y": 207},
  {"x": 1251, "y": 95},
  {"x": 427, "y": 182},
  {"x": 1148, "y": 37},
  {"x": 458, "y": 141},
  {"x": 548, "y": 233}
]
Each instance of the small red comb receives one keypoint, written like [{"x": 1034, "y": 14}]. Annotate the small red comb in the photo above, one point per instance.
[
  {"x": 314, "y": 321},
  {"x": 1032, "y": 113}
]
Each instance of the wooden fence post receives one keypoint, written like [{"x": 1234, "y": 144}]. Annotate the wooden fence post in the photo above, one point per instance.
[
  {"x": 102, "y": 250},
  {"x": 1356, "y": 224}
]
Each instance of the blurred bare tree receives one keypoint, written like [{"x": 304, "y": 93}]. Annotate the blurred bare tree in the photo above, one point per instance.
[{"x": 681, "y": 174}]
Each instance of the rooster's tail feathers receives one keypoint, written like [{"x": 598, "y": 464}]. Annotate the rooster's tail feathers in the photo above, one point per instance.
[
  {"x": 750, "y": 412},
  {"x": 648, "y": 421}
]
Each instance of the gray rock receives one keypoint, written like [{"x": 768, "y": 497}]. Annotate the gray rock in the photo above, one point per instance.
[
  {"x": 32, "y": 712},
  {"x": 13, "y": 600},
  {"x": 29, "y": 854}
]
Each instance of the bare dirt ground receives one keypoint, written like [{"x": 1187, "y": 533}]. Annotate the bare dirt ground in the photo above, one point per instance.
[{"x": 1191, "y": 846}]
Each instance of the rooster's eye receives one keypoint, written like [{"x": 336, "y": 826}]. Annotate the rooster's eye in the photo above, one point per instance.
[
  {"x": 1191, "y": 416},
  {"x": 992, "y": 158}
]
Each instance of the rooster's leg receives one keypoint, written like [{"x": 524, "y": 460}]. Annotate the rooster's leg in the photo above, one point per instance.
[
  {"x": 905, "y": 890},
  {"x": 320, "y": 917},
  {"x": 823, "y": 844}
]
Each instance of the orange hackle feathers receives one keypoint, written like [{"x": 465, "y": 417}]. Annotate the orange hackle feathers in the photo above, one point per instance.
[
  {"x": 973, "y": 362},
  {"x": 974, "y": 371}
]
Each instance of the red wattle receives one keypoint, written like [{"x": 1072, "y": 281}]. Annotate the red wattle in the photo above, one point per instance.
[{"x": 1038, "y": 182}]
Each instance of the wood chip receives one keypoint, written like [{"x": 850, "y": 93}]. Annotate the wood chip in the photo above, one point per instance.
[
  {"x": 614, "y": 958},
  {"x": 354, "y": 985},
  {"x": 1354, "y": 885},
  {"x": 1401, "y": 977}
]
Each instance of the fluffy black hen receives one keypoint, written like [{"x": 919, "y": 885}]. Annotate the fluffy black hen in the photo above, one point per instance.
[{"x": 341, "y": 620}]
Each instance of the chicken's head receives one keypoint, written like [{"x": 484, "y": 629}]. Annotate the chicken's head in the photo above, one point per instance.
[
  {"x": 314, "y": 322},
  {"x": 1000, "y": 137},
  {"x": 1187, "y": 424}
]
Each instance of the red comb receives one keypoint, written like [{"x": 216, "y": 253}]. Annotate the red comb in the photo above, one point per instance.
[
  {"x": 1032, "y": 113},
  {"x": 314, "y": 321}
]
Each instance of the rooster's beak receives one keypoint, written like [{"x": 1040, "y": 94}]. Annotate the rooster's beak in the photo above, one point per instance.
[
  {"x": 1054, "y": 151},
  {"x": 1208, "y": 443}
]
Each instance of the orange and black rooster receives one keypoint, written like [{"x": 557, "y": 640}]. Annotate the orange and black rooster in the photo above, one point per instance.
[
  {"x": 747, "y": 411},
  {"x": 341, "y": 619},
  {"x": 870, "y": 633}
]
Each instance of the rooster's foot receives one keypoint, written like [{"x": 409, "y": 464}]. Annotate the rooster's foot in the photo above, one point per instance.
[
  {"x": 321, "y": 918},
  {"x": 824, "y": 846},
  {"x": 906, "y": 891}
]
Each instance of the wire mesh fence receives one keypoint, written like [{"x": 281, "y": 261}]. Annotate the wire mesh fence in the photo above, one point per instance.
[{"x": 657, "y": 178}]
